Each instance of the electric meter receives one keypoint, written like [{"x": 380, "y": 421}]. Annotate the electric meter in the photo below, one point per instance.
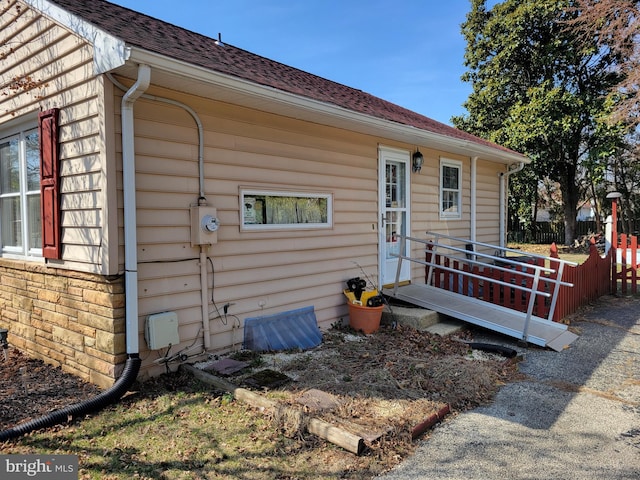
[
  {"x": 210, "y": 223},
  {"x": 204, "y": 225}
]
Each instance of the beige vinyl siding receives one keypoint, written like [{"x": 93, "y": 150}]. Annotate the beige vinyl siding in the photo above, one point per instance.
[
  {"x": 426, "y": 197},
  {"x": 487, "y": 203},
  {"x": 260, "y": 272},
  {"x": 60, "y": 68},
  {"x": 424, "y": 205}
]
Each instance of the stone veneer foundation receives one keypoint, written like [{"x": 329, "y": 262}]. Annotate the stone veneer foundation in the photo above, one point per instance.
[{"x": 68, "y": 319}]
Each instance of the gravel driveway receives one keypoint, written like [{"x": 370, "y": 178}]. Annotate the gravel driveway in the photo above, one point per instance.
[{"x": 575, "y": 416}]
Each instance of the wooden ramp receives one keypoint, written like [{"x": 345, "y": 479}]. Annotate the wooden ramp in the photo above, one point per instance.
[{"x": 500, "y": 319}]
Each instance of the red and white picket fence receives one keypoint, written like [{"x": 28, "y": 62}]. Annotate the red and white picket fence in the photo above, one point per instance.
[{"x": 624, "y": 265}]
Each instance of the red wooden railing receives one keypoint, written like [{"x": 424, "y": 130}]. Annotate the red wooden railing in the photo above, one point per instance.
[
  {"x": 590, "y": 280},
  {"x": 489, "y": 284}
]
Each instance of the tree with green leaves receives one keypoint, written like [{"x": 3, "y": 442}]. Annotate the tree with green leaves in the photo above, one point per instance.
[{"x": 540, "y": 90}]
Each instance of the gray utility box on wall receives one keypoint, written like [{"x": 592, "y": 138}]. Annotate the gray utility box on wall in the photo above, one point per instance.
[{"x": 162, "y": 330}]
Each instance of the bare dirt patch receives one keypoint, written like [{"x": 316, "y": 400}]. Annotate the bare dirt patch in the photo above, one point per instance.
[
  {"x": 389, "y": 381},
  {"x": 386, "y": 382}
]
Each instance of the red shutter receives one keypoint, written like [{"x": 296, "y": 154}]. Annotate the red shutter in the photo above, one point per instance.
[{"x": 50, "y": 183}]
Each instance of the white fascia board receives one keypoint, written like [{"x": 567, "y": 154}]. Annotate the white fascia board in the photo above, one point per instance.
[
  {"x": 341, "y": 116},
  {"x": 109, "y": 52}
]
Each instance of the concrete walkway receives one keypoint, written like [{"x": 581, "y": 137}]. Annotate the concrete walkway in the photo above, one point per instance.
[{"x": 576, "y": 415}]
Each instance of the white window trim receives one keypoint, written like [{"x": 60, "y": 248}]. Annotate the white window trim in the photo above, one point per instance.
[
  {"x": 446, "y": 162},
  {"x": 18, "y": 129},
  {"x": 250, "y": 192}
]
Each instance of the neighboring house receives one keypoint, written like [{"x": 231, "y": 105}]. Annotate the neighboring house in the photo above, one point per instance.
[
  {"x": 222, "y": 185},
  {"x": 586, "y": 211},
  {"x": 543, "y": 215}
]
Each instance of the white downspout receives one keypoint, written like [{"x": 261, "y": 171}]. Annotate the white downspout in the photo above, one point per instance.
[
  {"x": 130, "y": 208},
  {"x": 474, "y": 197},
  {"x": 504, "y": 179},
  {"x": 204, "y": 301}
]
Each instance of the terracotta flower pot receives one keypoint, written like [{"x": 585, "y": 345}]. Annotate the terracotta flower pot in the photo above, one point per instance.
[{"x": 365, "y": 319}]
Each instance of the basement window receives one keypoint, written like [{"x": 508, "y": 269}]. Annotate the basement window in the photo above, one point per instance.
[{"x": 268, "y": 210}]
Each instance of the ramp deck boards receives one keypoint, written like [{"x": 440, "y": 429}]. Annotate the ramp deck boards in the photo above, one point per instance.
[{"x": 540, "y": 332}]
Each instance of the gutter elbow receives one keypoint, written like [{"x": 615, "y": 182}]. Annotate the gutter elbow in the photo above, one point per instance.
[{"x": 137, "y": 89}]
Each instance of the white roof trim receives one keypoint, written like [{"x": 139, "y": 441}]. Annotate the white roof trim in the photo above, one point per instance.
[
  {"x": 342, "y": 116},
  {"x": 109, "y": 52}
]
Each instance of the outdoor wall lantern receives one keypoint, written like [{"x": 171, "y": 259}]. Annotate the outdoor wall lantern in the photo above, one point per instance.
[{"x": 417, "y": 162}]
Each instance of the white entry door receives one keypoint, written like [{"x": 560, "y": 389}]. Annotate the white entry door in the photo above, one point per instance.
[{"x": 394, "y": 182}]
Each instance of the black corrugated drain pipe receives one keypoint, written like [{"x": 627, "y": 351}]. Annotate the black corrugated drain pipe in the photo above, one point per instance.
[{"x": 109, "y": 396}]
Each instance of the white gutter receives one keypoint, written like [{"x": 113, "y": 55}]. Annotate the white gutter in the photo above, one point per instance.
[
  {"x": 130, "y": 221},
  {"x": 504, "y": 181},
  {"x": 310, "y": 109}
]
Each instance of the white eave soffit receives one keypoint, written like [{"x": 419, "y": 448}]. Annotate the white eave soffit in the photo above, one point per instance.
[{"x": 109, "y": 52}]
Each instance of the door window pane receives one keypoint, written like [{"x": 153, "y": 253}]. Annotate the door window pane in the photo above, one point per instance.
[
  {"x": 395, "y": 189},
  {"x": 394, "y": 228}
]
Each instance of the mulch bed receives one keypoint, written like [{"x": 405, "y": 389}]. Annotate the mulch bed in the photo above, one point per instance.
[{"x": 29, "y": 388}]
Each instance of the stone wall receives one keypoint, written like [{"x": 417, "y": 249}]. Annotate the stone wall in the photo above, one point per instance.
[{"x": 68, "y": 319}]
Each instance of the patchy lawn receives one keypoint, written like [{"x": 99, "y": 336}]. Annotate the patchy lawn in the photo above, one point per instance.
[
  {"x": 577, "y": 254},
  {"x": 175, "y": 426}
]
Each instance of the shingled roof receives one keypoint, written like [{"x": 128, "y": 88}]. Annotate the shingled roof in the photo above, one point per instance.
[{"x": 148, "y": 33}]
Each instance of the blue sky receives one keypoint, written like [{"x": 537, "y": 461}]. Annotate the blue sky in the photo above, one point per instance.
[{"x": 409, "y": 52}]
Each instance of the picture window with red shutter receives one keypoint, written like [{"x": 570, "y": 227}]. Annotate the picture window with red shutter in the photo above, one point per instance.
[{"x": 20, "y": 210}]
